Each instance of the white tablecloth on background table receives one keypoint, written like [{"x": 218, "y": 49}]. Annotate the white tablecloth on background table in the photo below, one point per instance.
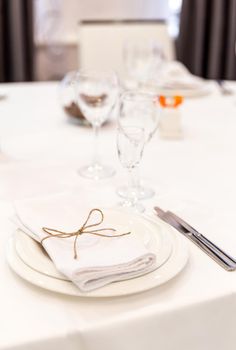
[{"x": 41, "y": 152}]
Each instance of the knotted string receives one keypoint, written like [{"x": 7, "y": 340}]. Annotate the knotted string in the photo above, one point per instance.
[{"x": 83, "y": 229}]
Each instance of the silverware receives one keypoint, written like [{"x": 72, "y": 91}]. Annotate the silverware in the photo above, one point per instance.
[
  {"x": 224, "y": 90},
  {"x": 2, "y": 97},
  {"x": 221, "y": 257}
]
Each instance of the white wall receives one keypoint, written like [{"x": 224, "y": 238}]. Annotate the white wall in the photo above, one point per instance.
[
  {"x": 69, "y": 12},
  {"x": 56, "y": 28}
]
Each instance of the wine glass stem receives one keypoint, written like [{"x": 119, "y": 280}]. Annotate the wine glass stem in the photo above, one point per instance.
[
  {"x": 132, "y": 196},
  {"x": 96, "y": 130},
  {"x": 136, "y": 178}
]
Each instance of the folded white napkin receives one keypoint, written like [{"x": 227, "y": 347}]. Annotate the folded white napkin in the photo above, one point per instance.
[
  {"x": 174, "y": 75},
  {"x": 101, "y": 260}
]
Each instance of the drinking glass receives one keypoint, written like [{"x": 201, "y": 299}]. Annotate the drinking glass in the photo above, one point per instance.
[
  {"x": 96, "y": 93},
  {"x": 142, "y": 110},
  {"x": 130, "y": 143},
  {"x": 143, "y": 60}
]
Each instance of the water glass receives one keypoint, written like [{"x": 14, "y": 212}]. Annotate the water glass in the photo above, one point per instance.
[
  {"x": 130, "y": 144},
  {"x": 142, "y": 110}
]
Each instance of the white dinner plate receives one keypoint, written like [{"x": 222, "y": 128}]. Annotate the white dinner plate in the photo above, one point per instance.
[
  {"x": 170, "y": 268},
  {"x": 34, "y": 255},
  {"x": 198, "y": 92},
  {"x": 152, "y": 236}
]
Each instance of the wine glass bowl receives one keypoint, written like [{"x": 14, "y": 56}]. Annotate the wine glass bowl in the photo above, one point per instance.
[
  {"x": 97, "y": 94},
  {"x": 130, "y": 143},
  {"x": 140, "y": 109},
  {"x": 68, "y": 100}
]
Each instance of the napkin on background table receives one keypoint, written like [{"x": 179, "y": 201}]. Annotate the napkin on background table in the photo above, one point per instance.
[
  {"x": 101, "y": 260},
  {"x": 174, "y": 75}
]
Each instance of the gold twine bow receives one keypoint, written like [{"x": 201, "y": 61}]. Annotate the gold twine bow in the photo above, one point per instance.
[{"x": 83, "y": 229}]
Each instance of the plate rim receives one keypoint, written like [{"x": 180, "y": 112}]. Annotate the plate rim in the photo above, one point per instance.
[
  {"x": 176, "y": 263},
  {"x": 22, "y": 252}
]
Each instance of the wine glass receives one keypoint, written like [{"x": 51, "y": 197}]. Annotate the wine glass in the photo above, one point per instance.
[
  {"x": 143, "y": 60},
  {"x": 130, "y": 144},
  {"x": 96, "y": 94},
  {"x": 142, "y": 110}
]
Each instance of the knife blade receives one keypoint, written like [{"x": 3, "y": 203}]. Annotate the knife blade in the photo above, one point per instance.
[{"x": 223, "y": 259}]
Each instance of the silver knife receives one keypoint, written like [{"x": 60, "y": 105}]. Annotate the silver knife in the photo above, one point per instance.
[
  {"x": 200, "y": 235},
  {"x": 222, "y": 258}
]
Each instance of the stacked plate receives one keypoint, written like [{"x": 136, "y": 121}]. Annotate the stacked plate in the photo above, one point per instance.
[
  {"x": 185, "y": 92},
  {"x": 30, "y": 261},
  {"x": 176, "y": 79}
]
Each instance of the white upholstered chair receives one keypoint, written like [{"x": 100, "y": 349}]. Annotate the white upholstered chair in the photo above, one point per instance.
[{"x": 101, "y": 42}]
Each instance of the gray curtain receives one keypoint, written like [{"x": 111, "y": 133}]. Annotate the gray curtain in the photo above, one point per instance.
[
  {"x": 206, "y": 43},
  {"x": 16, "y": 40}
]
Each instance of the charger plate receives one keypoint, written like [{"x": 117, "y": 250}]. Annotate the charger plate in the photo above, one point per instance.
[{"x": 30, "y": 262}]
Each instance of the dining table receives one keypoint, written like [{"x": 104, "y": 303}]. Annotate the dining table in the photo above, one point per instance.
[{"x": 42, "y": 149}]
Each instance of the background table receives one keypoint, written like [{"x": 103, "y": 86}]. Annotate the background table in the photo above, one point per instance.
[{"x": 41, "y": 152}]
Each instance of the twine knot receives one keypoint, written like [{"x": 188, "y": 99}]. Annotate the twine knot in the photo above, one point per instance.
[{"x": 83, "y": 229}]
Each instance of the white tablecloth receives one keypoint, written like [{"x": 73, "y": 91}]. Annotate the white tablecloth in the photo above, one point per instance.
[{"x": 41, "y": 152}]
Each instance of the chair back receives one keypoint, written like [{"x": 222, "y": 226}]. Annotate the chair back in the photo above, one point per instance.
[{"x": 101, "y": 43}]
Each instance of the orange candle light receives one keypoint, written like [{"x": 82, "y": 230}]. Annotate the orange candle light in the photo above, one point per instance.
[{"x": 170, "y": 102}]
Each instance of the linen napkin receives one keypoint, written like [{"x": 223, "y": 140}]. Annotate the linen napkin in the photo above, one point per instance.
[
  {"x": 101, "y": 260},
  {"x": 175, "y": 75}
]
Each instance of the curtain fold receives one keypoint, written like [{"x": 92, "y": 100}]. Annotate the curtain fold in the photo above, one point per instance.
[
  {"x": 16, "y": 40},
  {"x": 206, "y": 43}
]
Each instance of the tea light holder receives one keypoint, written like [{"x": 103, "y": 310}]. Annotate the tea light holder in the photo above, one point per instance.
[{"x": 170, "y": 126}]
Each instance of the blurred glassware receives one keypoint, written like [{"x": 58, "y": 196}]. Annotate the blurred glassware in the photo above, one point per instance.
[
  {"x": 2, "y": 96},
  {"x": 223, "y": 88},
  {"x": 130, "y": 144},
  {"x": 143, "y": 60},
  {"x": 97, "y": 94},
  {"x": 68, "y": 99},
  {"x": 139, "y": 109}
]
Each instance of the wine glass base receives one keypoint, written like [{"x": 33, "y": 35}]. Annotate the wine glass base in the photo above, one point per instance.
[
  {"x": 140, "y": 192},
  {"x": 96, "y": 172},
  {"x": 134, "y": 208}
]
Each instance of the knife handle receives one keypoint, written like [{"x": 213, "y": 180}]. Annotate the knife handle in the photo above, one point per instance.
[
  {"x": 214, "y": 247},
  {"x": 223, "y": 259},
  {"x": 201, "y": 237}
]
